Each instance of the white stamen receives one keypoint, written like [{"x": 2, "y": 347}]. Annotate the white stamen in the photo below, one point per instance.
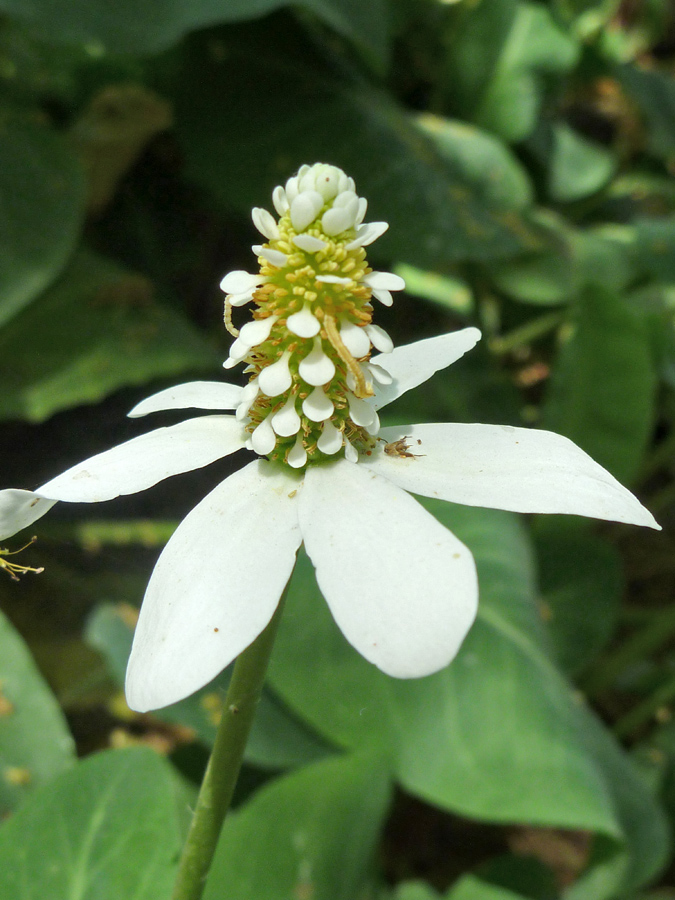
[
  {"x": 305, "y": 208},
  {"x": 384, "y": 281},
  {"x": 297, "y": 455},
  {"x": 286, "y": 421},
  {"x": 317, "y": 407},
  {"x": 355, "y": 339},
  {"x": 263, "y": 439},
  {"x": 351, "y": 453},
  {"x": 332, "y": 279},
  {"x": 379, "y": 338},
  {"x": 317, "y": 368},
  {"x": 330, "y": 440},
  {"x": 308, "y": 243},
  {"x": 366, "y": 234},
  {"x": 265, "y": 223},
  {"x": 360, "y": 411},
  {"x": 303, "y": 323},
  {"x": 279, "y": 200},
  {"x": 277, "y": 378},
  {"x": 240, "y": 282}
]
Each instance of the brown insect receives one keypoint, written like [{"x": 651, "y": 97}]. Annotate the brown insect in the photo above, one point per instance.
[{"x": 401, "y": 448}]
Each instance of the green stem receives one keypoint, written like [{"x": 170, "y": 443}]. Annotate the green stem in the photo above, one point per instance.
[
  {"x": 526, "y": 333},
  {"x": 223, "y": 768}
]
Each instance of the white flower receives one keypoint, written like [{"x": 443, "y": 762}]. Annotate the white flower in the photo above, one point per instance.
[
  {"x": 18, "y": 510},
  {"x": 400, "y": 586}
]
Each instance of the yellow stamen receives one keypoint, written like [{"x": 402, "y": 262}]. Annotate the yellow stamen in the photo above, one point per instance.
[
  {"x": 14, "y": 569},
  {"x": 362, "y": 389}
]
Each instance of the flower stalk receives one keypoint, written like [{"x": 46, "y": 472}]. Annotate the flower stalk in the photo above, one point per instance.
[{"x": 222, "y": 771}]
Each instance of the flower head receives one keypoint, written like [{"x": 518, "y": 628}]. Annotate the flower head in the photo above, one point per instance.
[{"x": 401, "y": 587}]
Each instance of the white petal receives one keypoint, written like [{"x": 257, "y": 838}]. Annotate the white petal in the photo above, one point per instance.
[
  {"x": 255, "y": 332},
  {"x": 277, "y": 378},
  {"x": 248, "y": 395},
  {"x": 401, "y": 587},
  {"x": 286, "y": 421},
  {"x": 274, "y": 257},
  {"x": 240, "y": 299},
  {"x": 360, "y": 411},
  {"x": 355, "y": 338},
  {"x": 384, "y": 281},
  {"x": 240, "y": 282},
  {"x": 317, "y": 406},
  {"x": 384, "y": 297},
  {"x": 374, "y": 428},
  {"x": 331, "y": 439},
  {"x": 308, "y": 243},
  {"x": 328, "y": 180},
  {"x": 363, "y": 209},
  {"x": 280, "y": 200},
  {"x": 502, "y": 467},
  {"x": 265, "y": 223},
  {"x": 316, "y": 368},
  {"x": 263, "y": 439},
  {"x": 303, "y": 323},
  {"x": 292, "y": 189},
  {"x": 412, "y": 364},
  {"x": 305, "y": 208},
  {"x": 345, "y": 200},
  {"x": 379, "y": 374},
  {"x": 141, "y": 462},
  {"x": 297, "y": 455},
  {"x": 339, "y": 219},
  {"x": 19, "y": 509},
  {"x": 192, "y": 395},
  {"x": 366, "y": 234},
  {"x": 209, "y": 596},
  {"x": 332, "y": 279},
  {"x": 379, "y": 338}
]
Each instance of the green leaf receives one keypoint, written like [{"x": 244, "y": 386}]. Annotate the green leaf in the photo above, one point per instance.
[
  {"x": 602, "y": 392},
  {"x": 501, "y": 707},
  {"x": 309, "y": 834},
  {"x": 578, "y": 167},
  {"x": 470, "y": 887},
  {"x": 415, "y": 890},
  {"x": 654, "y": 248},
  {"x": 35, "y": 743},
  {"x": 278, "y": 738},
  {"x": 147, "y": 26},
  {"x": 42, "y": 209},
  {"x": 436, "y": 214},
  {"x": 106, "y": 829},
  {"x": 105, "y": 331},
  {"x": 500, "y": 54},
  {"x": 453, "y": 294},
  {"x": 654, "y": 94},
  {"x": 482, "y": 160},
  {"x": 580, "y": 576}
]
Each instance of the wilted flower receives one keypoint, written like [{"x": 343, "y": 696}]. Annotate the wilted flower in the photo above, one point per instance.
[
  {"x": 400, "y": 586},
  {"x": 18, "y": 510}
]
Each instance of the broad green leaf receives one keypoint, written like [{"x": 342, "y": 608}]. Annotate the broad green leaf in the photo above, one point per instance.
[
  {"x": 310, "y": 834},
  {"x": 451, "y": 293},
  {"x": 278, "y": 738},
  {"x": 577, "y": 167},
  {"x": 105, "y": 830},
  {"x": 603, "y": 257},
  {"x": 499, "y": 58},
  {"x": 415, "y": 890},
  {"x": 470, "y": 887},
  {"x": 41, "y": 211},
  {"x": 148, "y": 26},
  {"x": 654, "y": 247},
  {"x": 35, "y": 743},
  {"x": 602, "y": 391},
  {"x": 105, "y": 331},
  {"x": 436, "y": 214},
  {"x": 498, "y": 735},
  {"x": 581, "y": 583},
  {"x": 494, "y": 736},
  {"x": 482, "y": 160}
]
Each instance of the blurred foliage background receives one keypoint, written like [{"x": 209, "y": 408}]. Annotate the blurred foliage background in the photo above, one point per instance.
[{"x": 523, "y": 153}]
